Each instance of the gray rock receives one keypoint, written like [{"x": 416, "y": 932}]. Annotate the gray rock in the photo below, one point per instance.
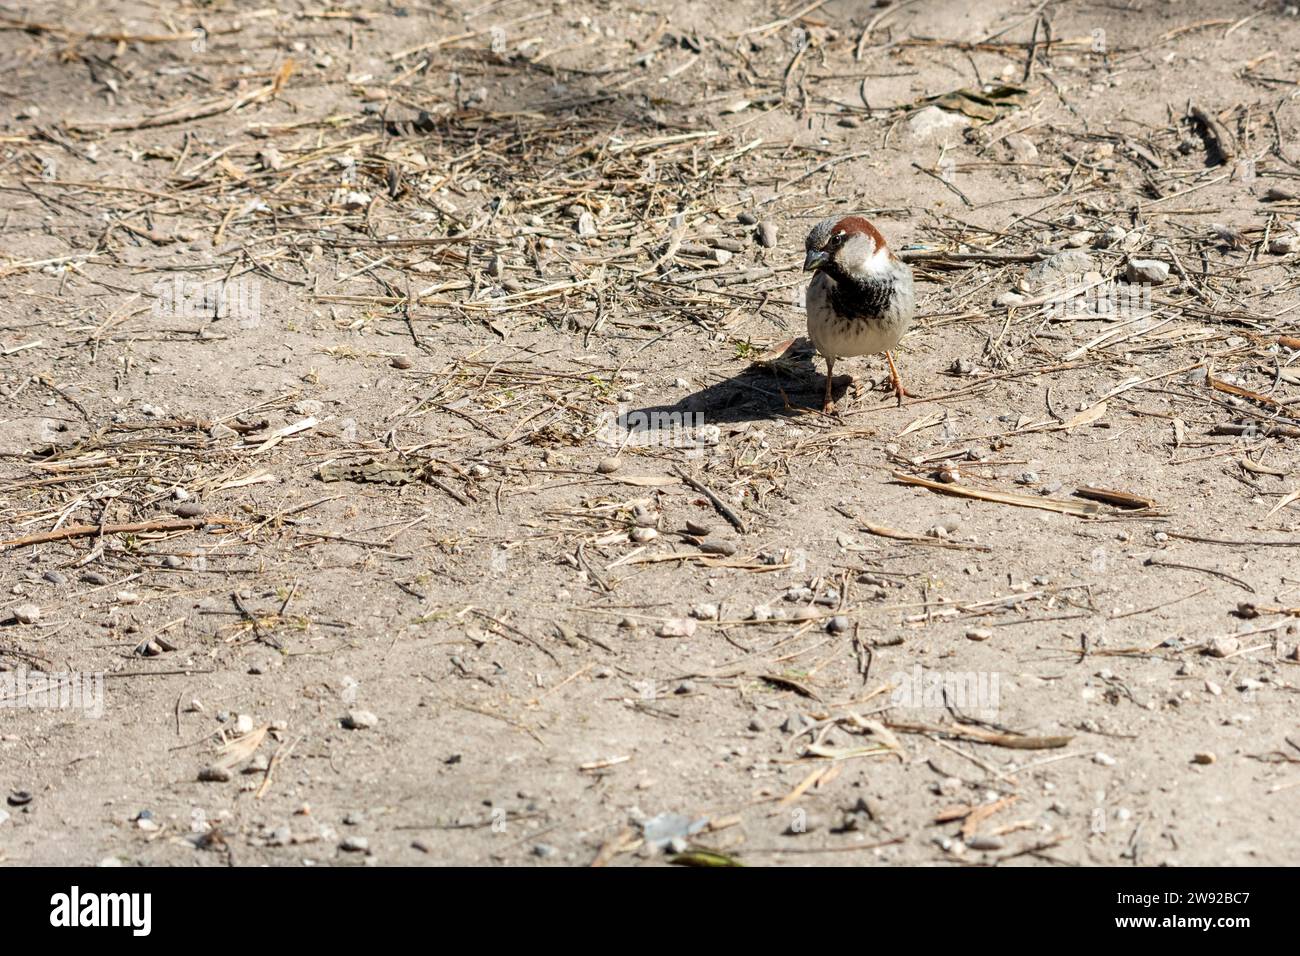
[
  {"x": 704, "y": 612},
  {"x": 935, "y": 123},
  {"x": 803, "y": 822},
  {"x": 1059, "y": 269},
  {"x": 1147, "y": 271},
  {"x": 1223, "y": 646},
  {"x": 360, "y": 720},
  {"x": 26, "y": 613},
  {"x": 662, "y": 831},
  {"x": 767, "y": 234},
  {"x": 1021, "y": 147},
  {"x": 1111, "y": 237},
  {"x": 677, "y": 627},
  {"x": 1284, "y": 245}
]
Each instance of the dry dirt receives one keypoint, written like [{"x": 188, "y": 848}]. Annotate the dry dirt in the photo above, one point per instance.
[{"x": 462, "y": 253}]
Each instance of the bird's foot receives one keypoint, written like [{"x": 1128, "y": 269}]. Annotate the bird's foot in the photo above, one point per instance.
[{"x": 896, "y": 383}]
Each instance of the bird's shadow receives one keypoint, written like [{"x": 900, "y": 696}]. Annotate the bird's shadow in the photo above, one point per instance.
[{"x": 784, "y": 382}]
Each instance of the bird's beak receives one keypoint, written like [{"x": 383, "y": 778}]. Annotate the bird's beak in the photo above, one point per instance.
[{"x": 814, "y": 259}]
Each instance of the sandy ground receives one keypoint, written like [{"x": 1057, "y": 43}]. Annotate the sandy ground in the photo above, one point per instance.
[{"x": 465, "y": 245}]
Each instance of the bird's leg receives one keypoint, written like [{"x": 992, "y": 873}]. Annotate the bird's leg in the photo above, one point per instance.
[
  {"x": 828, "y": 402},
  {"x": 896, "y": 381}
]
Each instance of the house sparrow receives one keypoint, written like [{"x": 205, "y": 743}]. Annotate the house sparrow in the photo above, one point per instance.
[{"x": 861, "y": 300}]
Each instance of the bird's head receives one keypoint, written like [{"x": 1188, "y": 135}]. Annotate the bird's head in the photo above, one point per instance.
[{"x": 846, "y": 247}]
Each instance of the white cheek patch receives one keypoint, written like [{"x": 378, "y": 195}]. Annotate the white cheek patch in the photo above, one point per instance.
[{"x": 872, "y": 262}]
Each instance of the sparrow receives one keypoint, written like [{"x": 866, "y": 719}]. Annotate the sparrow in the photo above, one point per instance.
[{"x": 861, "y": 300}]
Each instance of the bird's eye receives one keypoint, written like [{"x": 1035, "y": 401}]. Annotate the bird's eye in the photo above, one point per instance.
[{"x": 837, "y": 239}]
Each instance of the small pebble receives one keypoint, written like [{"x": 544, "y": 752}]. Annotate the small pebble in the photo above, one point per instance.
[
  {"x": 1104, "y": 759},
  {"x": 355, "y": 844},
  {"x": 214, "y": 775},
  {"x": 1206, "y": 758},
  {"x": 608, "y": 466},
  {"x": 718, "y": 547},
  {"x": 1223, "y": 646},
  {"x": 1147, "y": 271},
  {"x": 360, "y": 720},
  {"x": 26, "y": 613},
  {"x": 979, "y": 634},
  {"x": 698, "y": 530},
  {"x": 767, "y": 234},
  {"x": 804, "y": 823},
  {"x": 677, "y": 627},
  {"x": 1111, "y": 237},
  {"x": 188, "y": 509},
  {"x": 400, "y": 361},
  {"x": 838, "y": 624}
]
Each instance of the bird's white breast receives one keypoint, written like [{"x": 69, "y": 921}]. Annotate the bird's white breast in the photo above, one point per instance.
[{"x": 837, "y": 336}]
